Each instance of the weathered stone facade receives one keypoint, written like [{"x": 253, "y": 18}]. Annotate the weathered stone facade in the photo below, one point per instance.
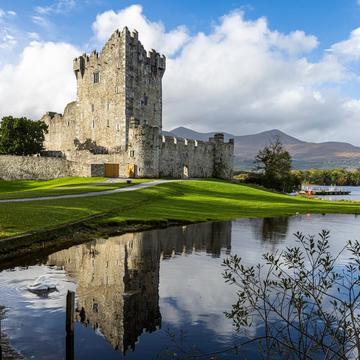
[
  {"x": 118, "y": 278},
  {"x": 117, "y": 118}
]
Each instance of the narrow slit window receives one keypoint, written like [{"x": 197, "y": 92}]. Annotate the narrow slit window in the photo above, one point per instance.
[{"x": 96, "y": 77}]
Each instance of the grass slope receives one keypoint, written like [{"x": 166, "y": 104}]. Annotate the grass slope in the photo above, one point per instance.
[
  {"x": 63, "y": 186},
  {"x": 184, "y": 200}
]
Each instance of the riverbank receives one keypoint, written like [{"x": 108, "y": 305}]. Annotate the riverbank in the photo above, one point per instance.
[{"x": 31, "y": 227}]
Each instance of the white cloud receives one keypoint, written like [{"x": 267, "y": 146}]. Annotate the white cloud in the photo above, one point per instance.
[
  {"x": 11, "y": 13},
  {"x": 152, "y": 34},
  {"x": 348, "y": 49},
  {"x": 2, "y": 13},
  {"x": 58, "y": 7},
  {"x": 6, "y": 39},
  {"x": 40, "y": 21},
  {"x": 42, "y": 80},
  {"x": 241, "y": 77}
]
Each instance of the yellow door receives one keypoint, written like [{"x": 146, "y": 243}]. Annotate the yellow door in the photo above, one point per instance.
[{"x": 131, "y": 170}]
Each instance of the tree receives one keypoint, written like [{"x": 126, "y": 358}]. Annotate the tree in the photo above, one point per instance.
[
  {"x": 274, "y": 164},
  {"x": 307, "y": 304},
  {"x": 21, "y": 136}
]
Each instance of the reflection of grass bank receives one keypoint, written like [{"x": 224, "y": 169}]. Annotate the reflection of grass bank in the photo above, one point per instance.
[
  {"x": 63, "y": 186},
  {"x": 8, "y": 352},
  {"x": 183, "y": 201}
]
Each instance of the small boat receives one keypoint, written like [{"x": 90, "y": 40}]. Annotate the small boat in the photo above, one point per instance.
[{"x": 42, "y": 284}]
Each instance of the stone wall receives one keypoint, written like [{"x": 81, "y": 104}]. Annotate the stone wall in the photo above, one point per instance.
[
  {"x": 40, "y": 168},
  {"x": 113, "y": 86},
  {"x": 184, "y": 158},
  {"x": 117, "y": 119}
]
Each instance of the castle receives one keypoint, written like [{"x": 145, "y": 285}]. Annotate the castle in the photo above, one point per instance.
[{"x": 115, "y": 124}]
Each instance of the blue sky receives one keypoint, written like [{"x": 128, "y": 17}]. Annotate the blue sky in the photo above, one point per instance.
[{"x": 286, "y": 64}]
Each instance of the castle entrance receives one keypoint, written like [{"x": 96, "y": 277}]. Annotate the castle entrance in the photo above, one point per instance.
[
  {"x": 131, "y": 170},
  {"x": 186, "y": 171},
  {"x": 111, "y": 170}
]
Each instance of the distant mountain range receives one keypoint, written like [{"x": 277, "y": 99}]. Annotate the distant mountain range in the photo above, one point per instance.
[{"x": 305, "y": 154}]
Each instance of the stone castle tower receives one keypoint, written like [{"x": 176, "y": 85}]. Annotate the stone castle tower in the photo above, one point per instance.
[{"x": 116, "y": 119}]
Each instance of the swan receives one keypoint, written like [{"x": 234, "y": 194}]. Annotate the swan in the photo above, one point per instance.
[{"x": 41, "y": 284}]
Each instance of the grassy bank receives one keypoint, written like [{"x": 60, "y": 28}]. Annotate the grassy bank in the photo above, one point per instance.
[
  {"x": 55, "y": 224},
  {"x": 63, "y": 186},
  {"x": 189, "y": 201}
]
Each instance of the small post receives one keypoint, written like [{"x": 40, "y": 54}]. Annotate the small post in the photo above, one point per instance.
[
  {"x": 1, "y": 354},
  {"x": 70, "y": 312}
]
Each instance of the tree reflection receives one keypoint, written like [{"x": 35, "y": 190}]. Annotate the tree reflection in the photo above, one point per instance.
[{"x": 271, "y": 230}]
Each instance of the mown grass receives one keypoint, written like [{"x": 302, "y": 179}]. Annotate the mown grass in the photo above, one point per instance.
[
  {"x": 62, "y": 186},
  {"x": 191, "y": 200}
]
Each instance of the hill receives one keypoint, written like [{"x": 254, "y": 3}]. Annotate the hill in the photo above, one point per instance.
[{"x": 305, "y": 154}]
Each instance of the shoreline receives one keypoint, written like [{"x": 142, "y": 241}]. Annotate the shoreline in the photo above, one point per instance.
[{"x": 33, "y": 247}]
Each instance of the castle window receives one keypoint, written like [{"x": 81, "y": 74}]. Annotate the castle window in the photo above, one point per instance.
[
  {"x": 92, "y": 107},
  {"x": 108, "y": 106},
  {"x": 132, "y": 153},
  {"x": 93, "y": 123},
  {"x": 145, "y": 100},
  {"x": 107, "y": 122},
  {"x": 117, "y": 90},
  {"x": 96, "y": 77},
  {"x": 117, "y": 127}
]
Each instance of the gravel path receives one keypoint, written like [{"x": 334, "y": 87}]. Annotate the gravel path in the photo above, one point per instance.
[{"x": 89, "y": 194}]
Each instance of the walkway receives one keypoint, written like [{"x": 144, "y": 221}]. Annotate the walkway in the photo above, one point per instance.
[{"x": 88, "y": 194}]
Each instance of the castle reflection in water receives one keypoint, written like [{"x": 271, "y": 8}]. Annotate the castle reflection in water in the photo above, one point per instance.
[{"x": 118, "y": 278}]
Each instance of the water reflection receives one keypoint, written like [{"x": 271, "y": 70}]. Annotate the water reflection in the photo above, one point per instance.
[
  {"x": 271, "y": 230},
  {"x": 118, "y": 279},
  {"x": 169, "y": 278}
]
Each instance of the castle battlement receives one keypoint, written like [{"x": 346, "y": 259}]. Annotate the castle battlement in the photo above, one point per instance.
[{"x": 117, "y": 117}]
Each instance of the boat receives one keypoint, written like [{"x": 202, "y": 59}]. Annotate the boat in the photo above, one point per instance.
[{"x": 42, "y": 284}]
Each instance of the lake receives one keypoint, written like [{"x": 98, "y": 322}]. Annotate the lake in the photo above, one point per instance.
[{"x": 146, "y": 295}]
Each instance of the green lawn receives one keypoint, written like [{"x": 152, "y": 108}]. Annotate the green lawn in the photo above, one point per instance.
[
  {"x": 63, "y": 186},
  {"x": 183, "y": 200}
]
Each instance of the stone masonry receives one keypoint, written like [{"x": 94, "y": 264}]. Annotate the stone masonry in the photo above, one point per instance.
[{"x": 117, "y": 118}]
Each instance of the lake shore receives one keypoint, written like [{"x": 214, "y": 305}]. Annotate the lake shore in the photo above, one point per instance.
[{"x": 36, "y": 228}]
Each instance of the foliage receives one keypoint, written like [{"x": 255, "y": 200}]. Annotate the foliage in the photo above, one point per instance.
[
  {"x": 328, "y": 177},
  {"x": 189, "y": 201},
  {"x": 21, "y": 136},
  {"x": 308, "y": 306},
  {"x": 274, "y": 166}
]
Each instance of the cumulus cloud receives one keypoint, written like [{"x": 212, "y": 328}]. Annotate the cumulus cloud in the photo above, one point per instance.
[
  {"x": 41, "y": 81},
  {"x": 348, "y": 49},
  {"x": 240, "y": 77},
  {"x": 153, "y": 34}
]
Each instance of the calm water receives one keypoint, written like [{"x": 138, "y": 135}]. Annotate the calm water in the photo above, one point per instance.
[{"x": 134, "y": 291}]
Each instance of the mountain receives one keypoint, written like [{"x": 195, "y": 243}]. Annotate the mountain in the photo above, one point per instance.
[{"x": 305, "y": 154}]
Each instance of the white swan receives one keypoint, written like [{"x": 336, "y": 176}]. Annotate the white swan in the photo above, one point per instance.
[{"x": 41, "y": 284}]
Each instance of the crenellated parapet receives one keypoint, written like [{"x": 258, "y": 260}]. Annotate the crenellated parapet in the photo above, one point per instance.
[{"x": 117, "y": 117}]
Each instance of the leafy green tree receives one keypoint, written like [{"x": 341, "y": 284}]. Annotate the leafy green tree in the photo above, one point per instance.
[
  {"x": 21, "y": 136},
  {"x": 274, "y": 164}
]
